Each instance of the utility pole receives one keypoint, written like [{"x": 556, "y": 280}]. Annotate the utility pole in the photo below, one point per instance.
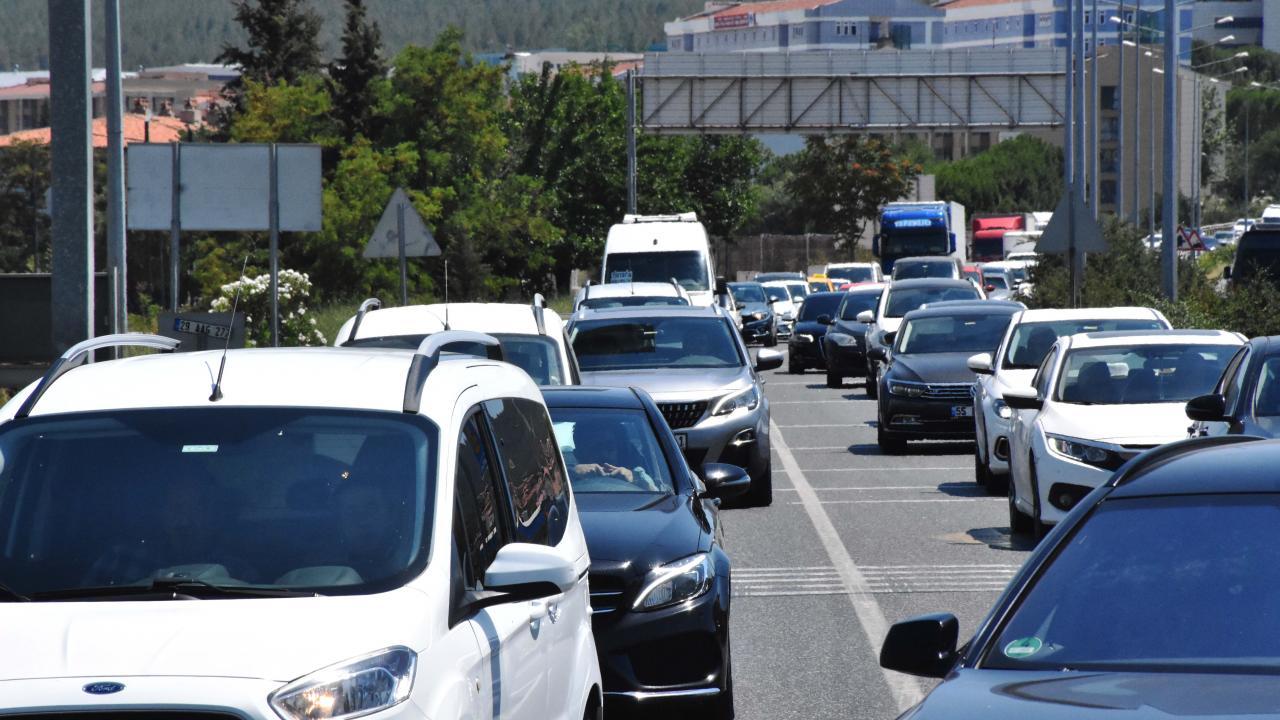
[
  {"x": 1137, "y": 118},
  {"x": 117, "y": 253},
  {"x": 1094, "y": 202},
  {"x": 1075, "y": 258},
  {"x": 1122, "y": 97},
  {"x": 1069, "y": 131},
  {"x": 631, "y": 142},
  {"x": 1169, "y": 215},
  {"x": 71, "y": 157}
]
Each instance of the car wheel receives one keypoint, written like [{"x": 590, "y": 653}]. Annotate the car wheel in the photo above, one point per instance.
[
  {"x": 889, "y": 444},
  {"x": 873, "y": 384},
  {"x": 794, "y": 366},
  {"x": 981, "y": 473},
  {"x": 1038, "y": 529},
  {"x": 772, "y": 339},
  {"x": 834, "y": 379},
  {"x": 1019, "y": 524}
]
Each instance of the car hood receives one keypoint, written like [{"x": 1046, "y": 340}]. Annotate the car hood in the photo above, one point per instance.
[
  {"x": 850, "y": 327},
  {"x": 932, "y": 368},
  {"x": 1146, "y": 424},
  {"x": 811, "y": 327},
  {"x": 276, "y": 639},
  {"x": 639, "y": 530},
  {"x": 674, "y": 383},
  {"x": 1012, "y": 379},
  {"x": 1015, "y": 695},
  {"x": 888, "y": 324},
  {"x": 755, "y": 307}
]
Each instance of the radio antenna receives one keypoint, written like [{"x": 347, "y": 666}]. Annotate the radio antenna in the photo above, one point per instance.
[
  {"x": 216, "y": 395},
  {"x": 446, "y": 293}
]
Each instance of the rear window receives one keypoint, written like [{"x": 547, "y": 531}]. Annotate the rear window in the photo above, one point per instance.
[
  {"x": 903, "y": 300},
  {"x": 820, "y": 304},
  {"x": 651, "y": 343},
  {"x": 1031, "y": 341}
]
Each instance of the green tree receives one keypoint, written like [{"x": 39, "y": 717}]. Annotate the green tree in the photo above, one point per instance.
[
  {"x": 24, "y": 230},
  {"x": 356, "y": 74},
  {"x": 841, "y": 183},
  {"x": 1019, "y": 175},
  {"x": 286, "y": 112},
  {"x": 282, "y": 43}
]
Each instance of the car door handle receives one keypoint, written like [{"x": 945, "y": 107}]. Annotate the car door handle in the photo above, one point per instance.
[{"x": 539, "y": 609}]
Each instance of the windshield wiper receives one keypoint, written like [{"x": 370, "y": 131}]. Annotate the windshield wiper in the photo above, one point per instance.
[
  {"x": 8, "y": 595},
  {"x": 170, "y": 589}
]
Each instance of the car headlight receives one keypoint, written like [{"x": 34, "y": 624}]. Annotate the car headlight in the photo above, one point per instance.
[
  {"x": 749, "y": 399},
  {"x": 906, "y": 389},
  {"x": 1003, "y": 411},
  {"x": 842, "y": 340},
  {"x": 1083, "y": 451},
  {"x": 676, "y": 582},
  {"x": 804, "y": 337},
  {"x": 350, "y": 689}
]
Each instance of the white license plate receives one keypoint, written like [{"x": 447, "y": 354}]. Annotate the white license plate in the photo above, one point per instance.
[
  {"x": 193, "y": 327},
  {"x": 958, "y": 411},
  {"x": 682, "y": 440}
]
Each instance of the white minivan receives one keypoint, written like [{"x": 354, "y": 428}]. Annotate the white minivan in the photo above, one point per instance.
[
  {"x": 297, "y": 534},
  {"x": 660, "y": 248}
]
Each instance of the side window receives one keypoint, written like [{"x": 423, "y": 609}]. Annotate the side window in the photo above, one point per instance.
[
  {"x": 530, "y": 459},
  {"x": 478, "y": 527},
  {"x": 1233, "y": 378},
  {"x": 1041, "y": 380}
]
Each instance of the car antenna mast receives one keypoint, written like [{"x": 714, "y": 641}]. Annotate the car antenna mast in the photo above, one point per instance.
[
  {"x": 446, "y": 293},
  {"x": 216, "y": 395}
]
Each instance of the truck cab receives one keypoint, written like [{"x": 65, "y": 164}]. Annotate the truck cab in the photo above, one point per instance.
[{"x": 909, "y": 229}]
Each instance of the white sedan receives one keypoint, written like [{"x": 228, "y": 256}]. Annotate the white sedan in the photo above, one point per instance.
[{"x": 1097, "y": 400}]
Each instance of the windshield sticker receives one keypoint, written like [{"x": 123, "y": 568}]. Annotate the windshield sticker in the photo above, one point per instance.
[
  {"x": 1023, "y": 648},
  {"x": 199, "y": 448},
  {"x": 620, "y": 276}
]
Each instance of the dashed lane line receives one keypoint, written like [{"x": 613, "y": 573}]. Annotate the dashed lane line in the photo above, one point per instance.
[
  {"x": 903, "y": 500},
  {"x": 905, "y": 690},
  {"x": 880, "y": 469},
  {"x": 880, "y": 580}
]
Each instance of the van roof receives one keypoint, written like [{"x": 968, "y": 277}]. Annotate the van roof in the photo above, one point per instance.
[{"x": 664, "y": 233}]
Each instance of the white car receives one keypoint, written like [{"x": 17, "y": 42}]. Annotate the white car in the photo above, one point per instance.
[
  {"x": 1030, "y": 335},
  {"x": 1097, "y": 400},
  {"x": 856, "y": 273},
  {"x": 630, "y": 295},
  {"x": 784, "y": 304},
  {"x": 329, "y": 533},
  {"x": 532, "y": 335}
]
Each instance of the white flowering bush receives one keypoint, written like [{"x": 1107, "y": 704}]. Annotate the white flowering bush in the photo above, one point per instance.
[{"x": 296, "y": 326}]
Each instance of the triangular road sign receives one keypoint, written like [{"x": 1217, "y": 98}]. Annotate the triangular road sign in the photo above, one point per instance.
[
  {"x": 418, "y": 240},
  {"x": 1057, "y": 236}
]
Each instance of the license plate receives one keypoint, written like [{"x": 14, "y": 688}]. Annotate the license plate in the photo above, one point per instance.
[
  {"x": 682, "y": 440},
  {"x": 959, "y": 411},
  {"x": 193, "y": 327}
]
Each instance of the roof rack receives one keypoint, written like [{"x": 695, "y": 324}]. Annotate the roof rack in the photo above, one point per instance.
[
  {"x": 367, "y": 306},
  {"x": 81, "y": 351},
  {"x": 680, "y": 291},
  {"x": 539, "y": 304},
  {"x": 427, "y": 357},
  {"x": 1144, "y": 462}
]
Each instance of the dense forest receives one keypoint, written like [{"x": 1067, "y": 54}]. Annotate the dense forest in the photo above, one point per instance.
[{"x": 163, "y": 32}]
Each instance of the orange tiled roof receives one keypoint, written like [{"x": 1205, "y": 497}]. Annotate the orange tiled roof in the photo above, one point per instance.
[{"x": 163, "y": 130}]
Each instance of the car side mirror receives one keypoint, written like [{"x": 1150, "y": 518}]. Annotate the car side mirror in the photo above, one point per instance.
[
  {"x": 722, "y": 286},
  {"x": 824, "y": 319},
  {"x": 980, "y": 363},
  {"x": 1027, "y": 399},
  {"x": 879, "y": 354},
  {"x": 924, "y": 646},
  {"x": 866, "y": 317},
  {"x": 725, "y": 482},
  {"x": 768, "y": 360},
  {"x": 526, "y": 571},
  {"x": 1207, "y": 408}
]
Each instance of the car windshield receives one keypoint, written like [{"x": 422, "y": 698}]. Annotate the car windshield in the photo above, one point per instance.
[
  {"x": 631, "y": 301},
  {"x": 855, "y": 302},
  {"x": 1031, "y": 341},
  {"x": 688, "y": 267},
  {"x": 816, "y": 286},
  {"x": 611, "y": 450},
  {"x": 537, "y": 355},
  {"x": 1141, "y": 373},
  {"x": 1175, "y": 584},
  {"x": 325, "y": 500},
  {"x": 903, "y": 300},
  {"x": 744, "y": 293},
  {"x": 968, "y": 333},
  {"x": 852, "y": 274},
  {"x": 916, "y": 269},
  {"x": 651, "y": 343},
  {"x": 997, "y": 281},
  {"x": 777, "y": 293},
  {"x": 1017, "y": 274},
  {"x": 798, "y": 290},
  {"x": 820, "y": 304},
  {"x": 1266, "y": 399}
]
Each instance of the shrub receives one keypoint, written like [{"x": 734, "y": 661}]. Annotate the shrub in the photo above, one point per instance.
[{"x": 296, "y": 326}]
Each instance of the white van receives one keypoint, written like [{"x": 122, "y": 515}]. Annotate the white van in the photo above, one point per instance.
[{"x": 660, "y": 248}]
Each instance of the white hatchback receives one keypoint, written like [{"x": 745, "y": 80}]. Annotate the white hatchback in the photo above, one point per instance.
[
  {"x": 329, "y": 533},
  {"x": 1097, "y": 400}
]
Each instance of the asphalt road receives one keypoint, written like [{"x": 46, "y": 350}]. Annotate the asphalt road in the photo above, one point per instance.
[{"x": 853, "y": 542}]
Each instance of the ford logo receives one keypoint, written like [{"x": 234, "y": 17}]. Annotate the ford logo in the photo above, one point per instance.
[{"x": 103, "y": 688}]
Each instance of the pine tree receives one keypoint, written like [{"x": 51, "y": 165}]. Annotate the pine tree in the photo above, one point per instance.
[
  {"x": 283, "y": 43},
  {"x": 354, "y": 74}
]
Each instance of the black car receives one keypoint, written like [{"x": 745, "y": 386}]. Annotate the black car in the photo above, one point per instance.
[
  {"x": 759, "y": 322},
  {"x": 1154, "y": 598},
  {"x": 659, "y": 576},
  {"x": 1257, "y": 254},
  {"x": 1246, "y": 400},
  {"x": 845, "y": 344},
  {"x": 926, "y": 390},
  {"x": 804, "y": 349}
]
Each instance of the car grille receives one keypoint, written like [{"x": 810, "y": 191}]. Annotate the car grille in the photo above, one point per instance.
[
  {"x": 606, "y": 593},
  {"x": 683, "y": 415},
  {"x": 949, "y": 391}
]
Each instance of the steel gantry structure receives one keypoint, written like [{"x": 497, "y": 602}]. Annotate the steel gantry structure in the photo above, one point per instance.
[{"x": 875, "y": 90}]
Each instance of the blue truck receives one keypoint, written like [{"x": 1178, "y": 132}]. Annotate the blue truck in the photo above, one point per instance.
[{"x": 913, "y": 229}]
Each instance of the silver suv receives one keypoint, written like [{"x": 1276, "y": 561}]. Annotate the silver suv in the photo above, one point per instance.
[{"x": 693, "y": 362}]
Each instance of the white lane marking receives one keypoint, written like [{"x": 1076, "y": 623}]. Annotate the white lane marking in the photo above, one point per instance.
[
  {"x": 904, "y": 688},
  {"x": 904, "y": 500},
  {"x": 878, "y": 469},
  {"x": 876, "y": 487},
  {"x": 841, "y": 448},
  {"x": 846, "y": 426},
  {"x": 880, "y": 580},
  {"x": 807, "y": 402}
]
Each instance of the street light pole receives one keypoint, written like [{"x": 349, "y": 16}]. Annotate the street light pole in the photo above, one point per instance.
[
  {"x": 1069, "y": 136},
  {"x": 1094, "y": 200},
  {"x": 1122, "y": 97},
  {"x": 1169, "y": 219}
]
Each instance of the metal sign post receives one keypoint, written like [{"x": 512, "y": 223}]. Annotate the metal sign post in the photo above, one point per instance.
[
  {"x": 1072, "y": 231},
  {"x": 401, "y": 233},
  {"x": 404, "y": 259},
  {"x": 274, "y": 209}
]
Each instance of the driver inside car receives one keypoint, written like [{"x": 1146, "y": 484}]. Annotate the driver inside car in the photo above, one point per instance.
[{"x": 601, "y": 450}]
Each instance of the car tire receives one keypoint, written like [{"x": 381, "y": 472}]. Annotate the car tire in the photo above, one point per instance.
[
  {"x": 834, "y": 380},
  {"x": 1038, "y": 528},
  {"x": 981, "y": 473},
  {"x": 761, "y": 492},
  {"x": 794, "y": 366},
  {"x": 889, "y": 444},
  {"x": 772, "y": 339},
  {"x": 872, "y": 386},
  {"x": 1019, "y": 524}
]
